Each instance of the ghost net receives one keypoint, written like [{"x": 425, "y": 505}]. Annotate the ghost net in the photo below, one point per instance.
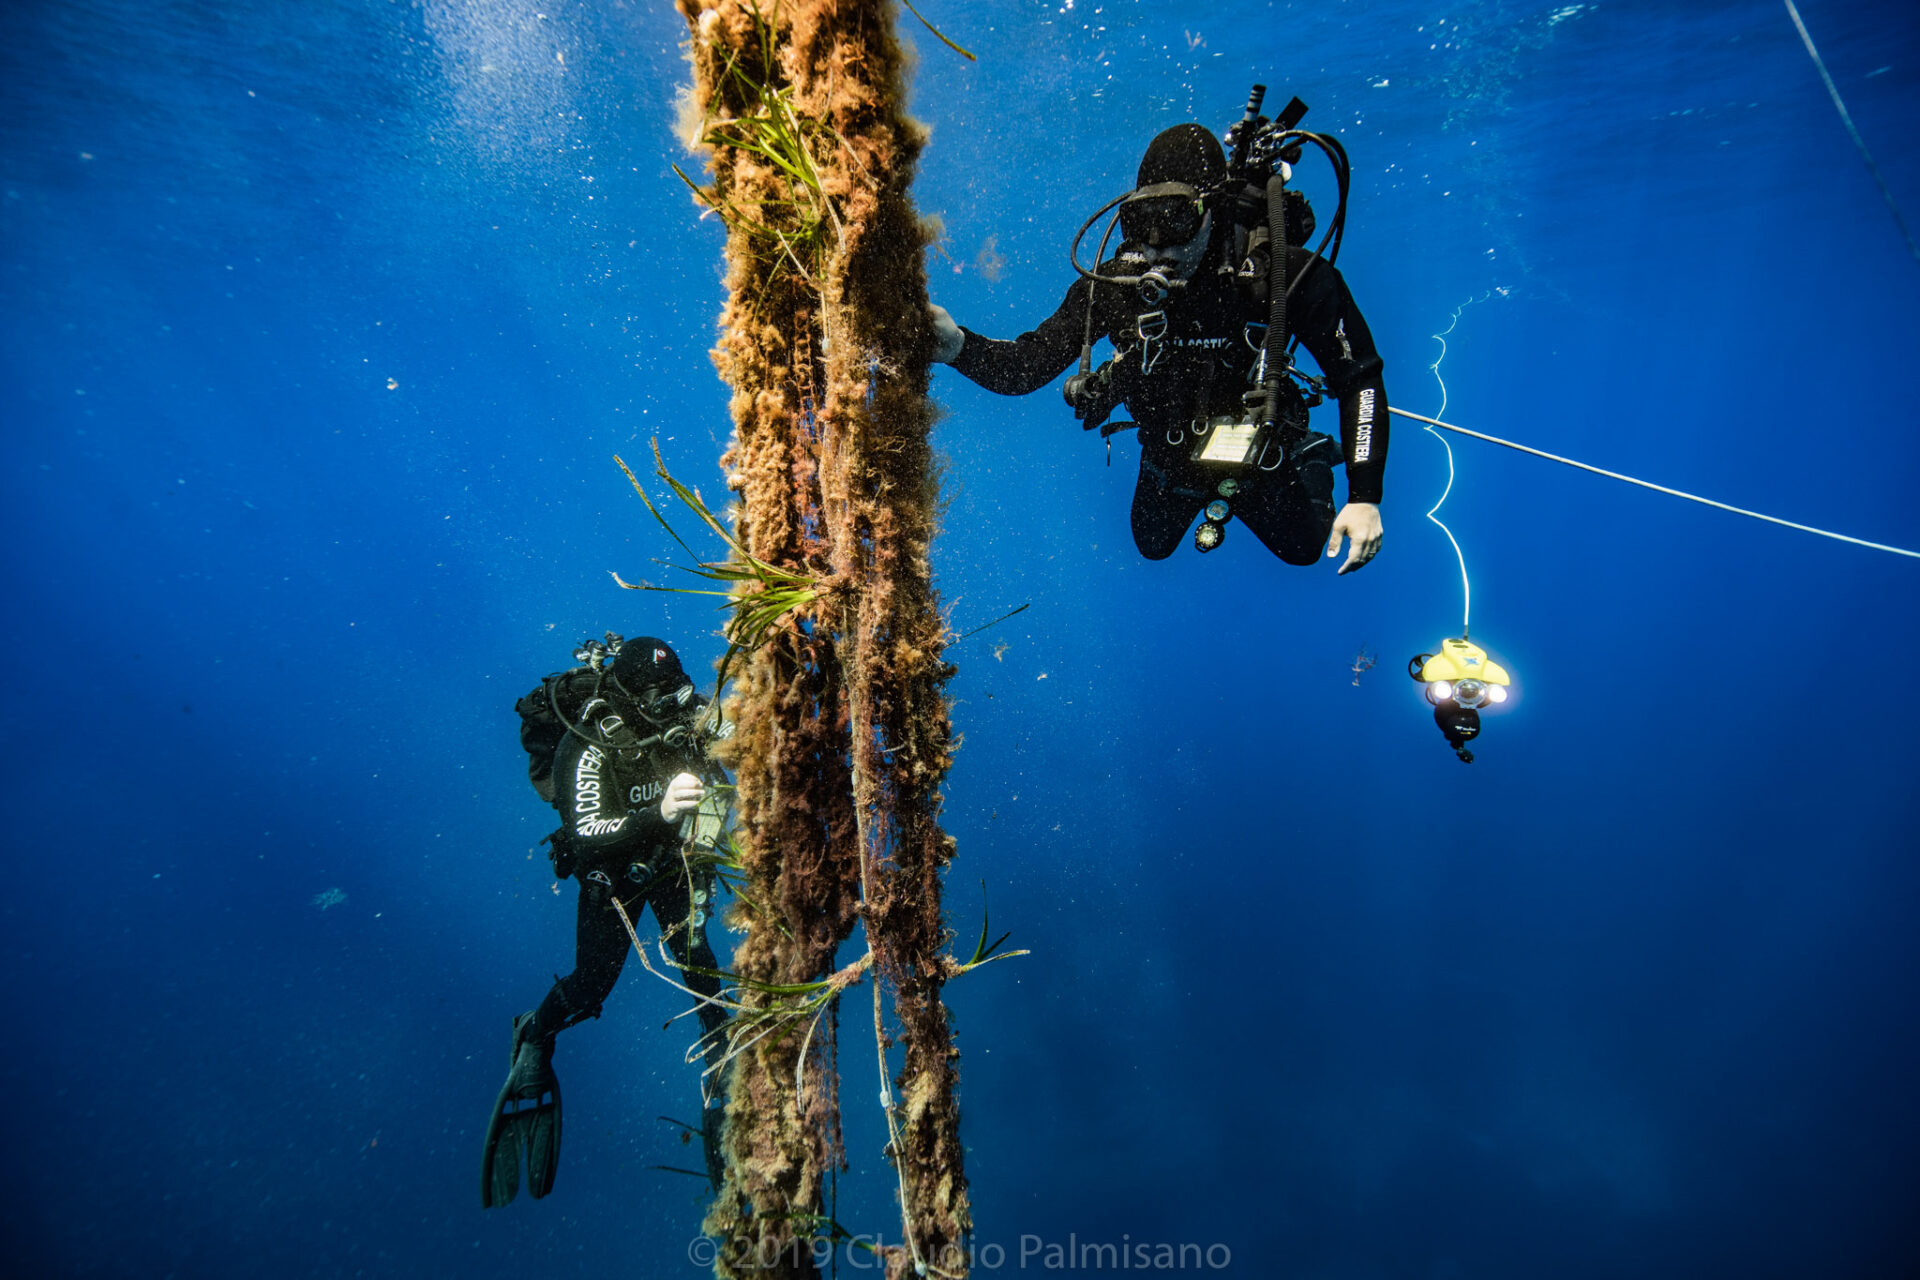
[{"x": 842, "y": 734}]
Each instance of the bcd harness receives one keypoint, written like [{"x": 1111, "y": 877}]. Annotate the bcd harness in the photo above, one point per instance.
[
  {"x": 1240, "y": 439},
  {"x": 1227, "y": 454}
]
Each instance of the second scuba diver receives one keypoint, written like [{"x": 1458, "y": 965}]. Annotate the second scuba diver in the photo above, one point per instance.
[
  {"x": 618, "y": 746},
  {"x": 1185, "y": 303}
]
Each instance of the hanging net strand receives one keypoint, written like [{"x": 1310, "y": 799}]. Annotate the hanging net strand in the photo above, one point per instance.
[{"x": 843, "y": 735}]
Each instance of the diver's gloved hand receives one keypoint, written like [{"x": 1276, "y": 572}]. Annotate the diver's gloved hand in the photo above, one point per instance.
[
  {"x": 1361, "y": 522},
  {"x": 683, "y": 795},
  {"x": 947, "y": 338}
]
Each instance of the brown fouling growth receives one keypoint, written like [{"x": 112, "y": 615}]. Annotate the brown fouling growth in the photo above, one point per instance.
[{"x": 842, "y": 731}]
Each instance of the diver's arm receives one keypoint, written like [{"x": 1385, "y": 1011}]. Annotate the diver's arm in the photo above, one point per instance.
[
  {"x": 1035, "y": 358},
  {"x": 1331, "y": 327}
]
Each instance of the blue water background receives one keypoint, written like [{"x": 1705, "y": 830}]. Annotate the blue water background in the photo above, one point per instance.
[{"x": 322, "y": 323}]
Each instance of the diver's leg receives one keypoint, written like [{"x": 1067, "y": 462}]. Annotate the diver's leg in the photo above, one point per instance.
[
  {"x": 1291, "y": 509},
  {"x": 599, "y": 952},
  {"x": 1162, "y": 511},
  {"x": 526, "y": 1115}
]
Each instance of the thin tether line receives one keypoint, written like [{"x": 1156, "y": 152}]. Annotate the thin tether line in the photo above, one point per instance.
[
  {"x": 1648, "y": 484},
  {"x": 1859, "y": 143},
  {"x": 1466, "y": 585}
]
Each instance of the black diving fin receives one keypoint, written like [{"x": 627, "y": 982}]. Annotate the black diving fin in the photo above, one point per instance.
[{"x": 526, "y": 1119}]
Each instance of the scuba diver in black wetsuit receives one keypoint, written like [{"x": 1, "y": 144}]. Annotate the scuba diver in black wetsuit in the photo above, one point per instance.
[
  {"x": 1187, "y": 303},
  {"x": 619, "y": 748}
]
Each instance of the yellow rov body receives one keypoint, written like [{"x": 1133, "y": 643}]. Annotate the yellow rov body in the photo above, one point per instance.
[
  {"x": 1458, "y": 681},
  {"x": 1461, "y": 660}
]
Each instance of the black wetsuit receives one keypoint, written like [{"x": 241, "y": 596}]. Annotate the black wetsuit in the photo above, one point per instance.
[
  {"x": 1192, "y": 356},
  {"x": 620, "y": 846}
]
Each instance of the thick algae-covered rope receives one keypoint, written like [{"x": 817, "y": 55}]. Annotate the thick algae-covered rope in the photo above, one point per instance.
[{"x": 844, "y": 736}]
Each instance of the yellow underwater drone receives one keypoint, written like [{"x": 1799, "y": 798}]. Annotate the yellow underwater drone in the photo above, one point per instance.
[{"x": 1459, "y": 680}]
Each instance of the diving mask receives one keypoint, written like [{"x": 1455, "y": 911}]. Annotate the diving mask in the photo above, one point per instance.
[
  {"x": 1167, "y": 213},
  {"x": 661, "y": 701}
]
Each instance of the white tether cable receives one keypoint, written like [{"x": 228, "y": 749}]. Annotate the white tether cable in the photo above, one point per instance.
[
  {"x": 1846, "y": 118},
  {"x": 1466, "y": 586},
  {"x": 1644, "y": 484}
]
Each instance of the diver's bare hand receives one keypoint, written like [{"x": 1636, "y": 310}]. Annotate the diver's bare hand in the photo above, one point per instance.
[
  {"x": 683, "y": 795},
  {"x": 1361, "y": 522},
  {"x": 947, "y": 338}
]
